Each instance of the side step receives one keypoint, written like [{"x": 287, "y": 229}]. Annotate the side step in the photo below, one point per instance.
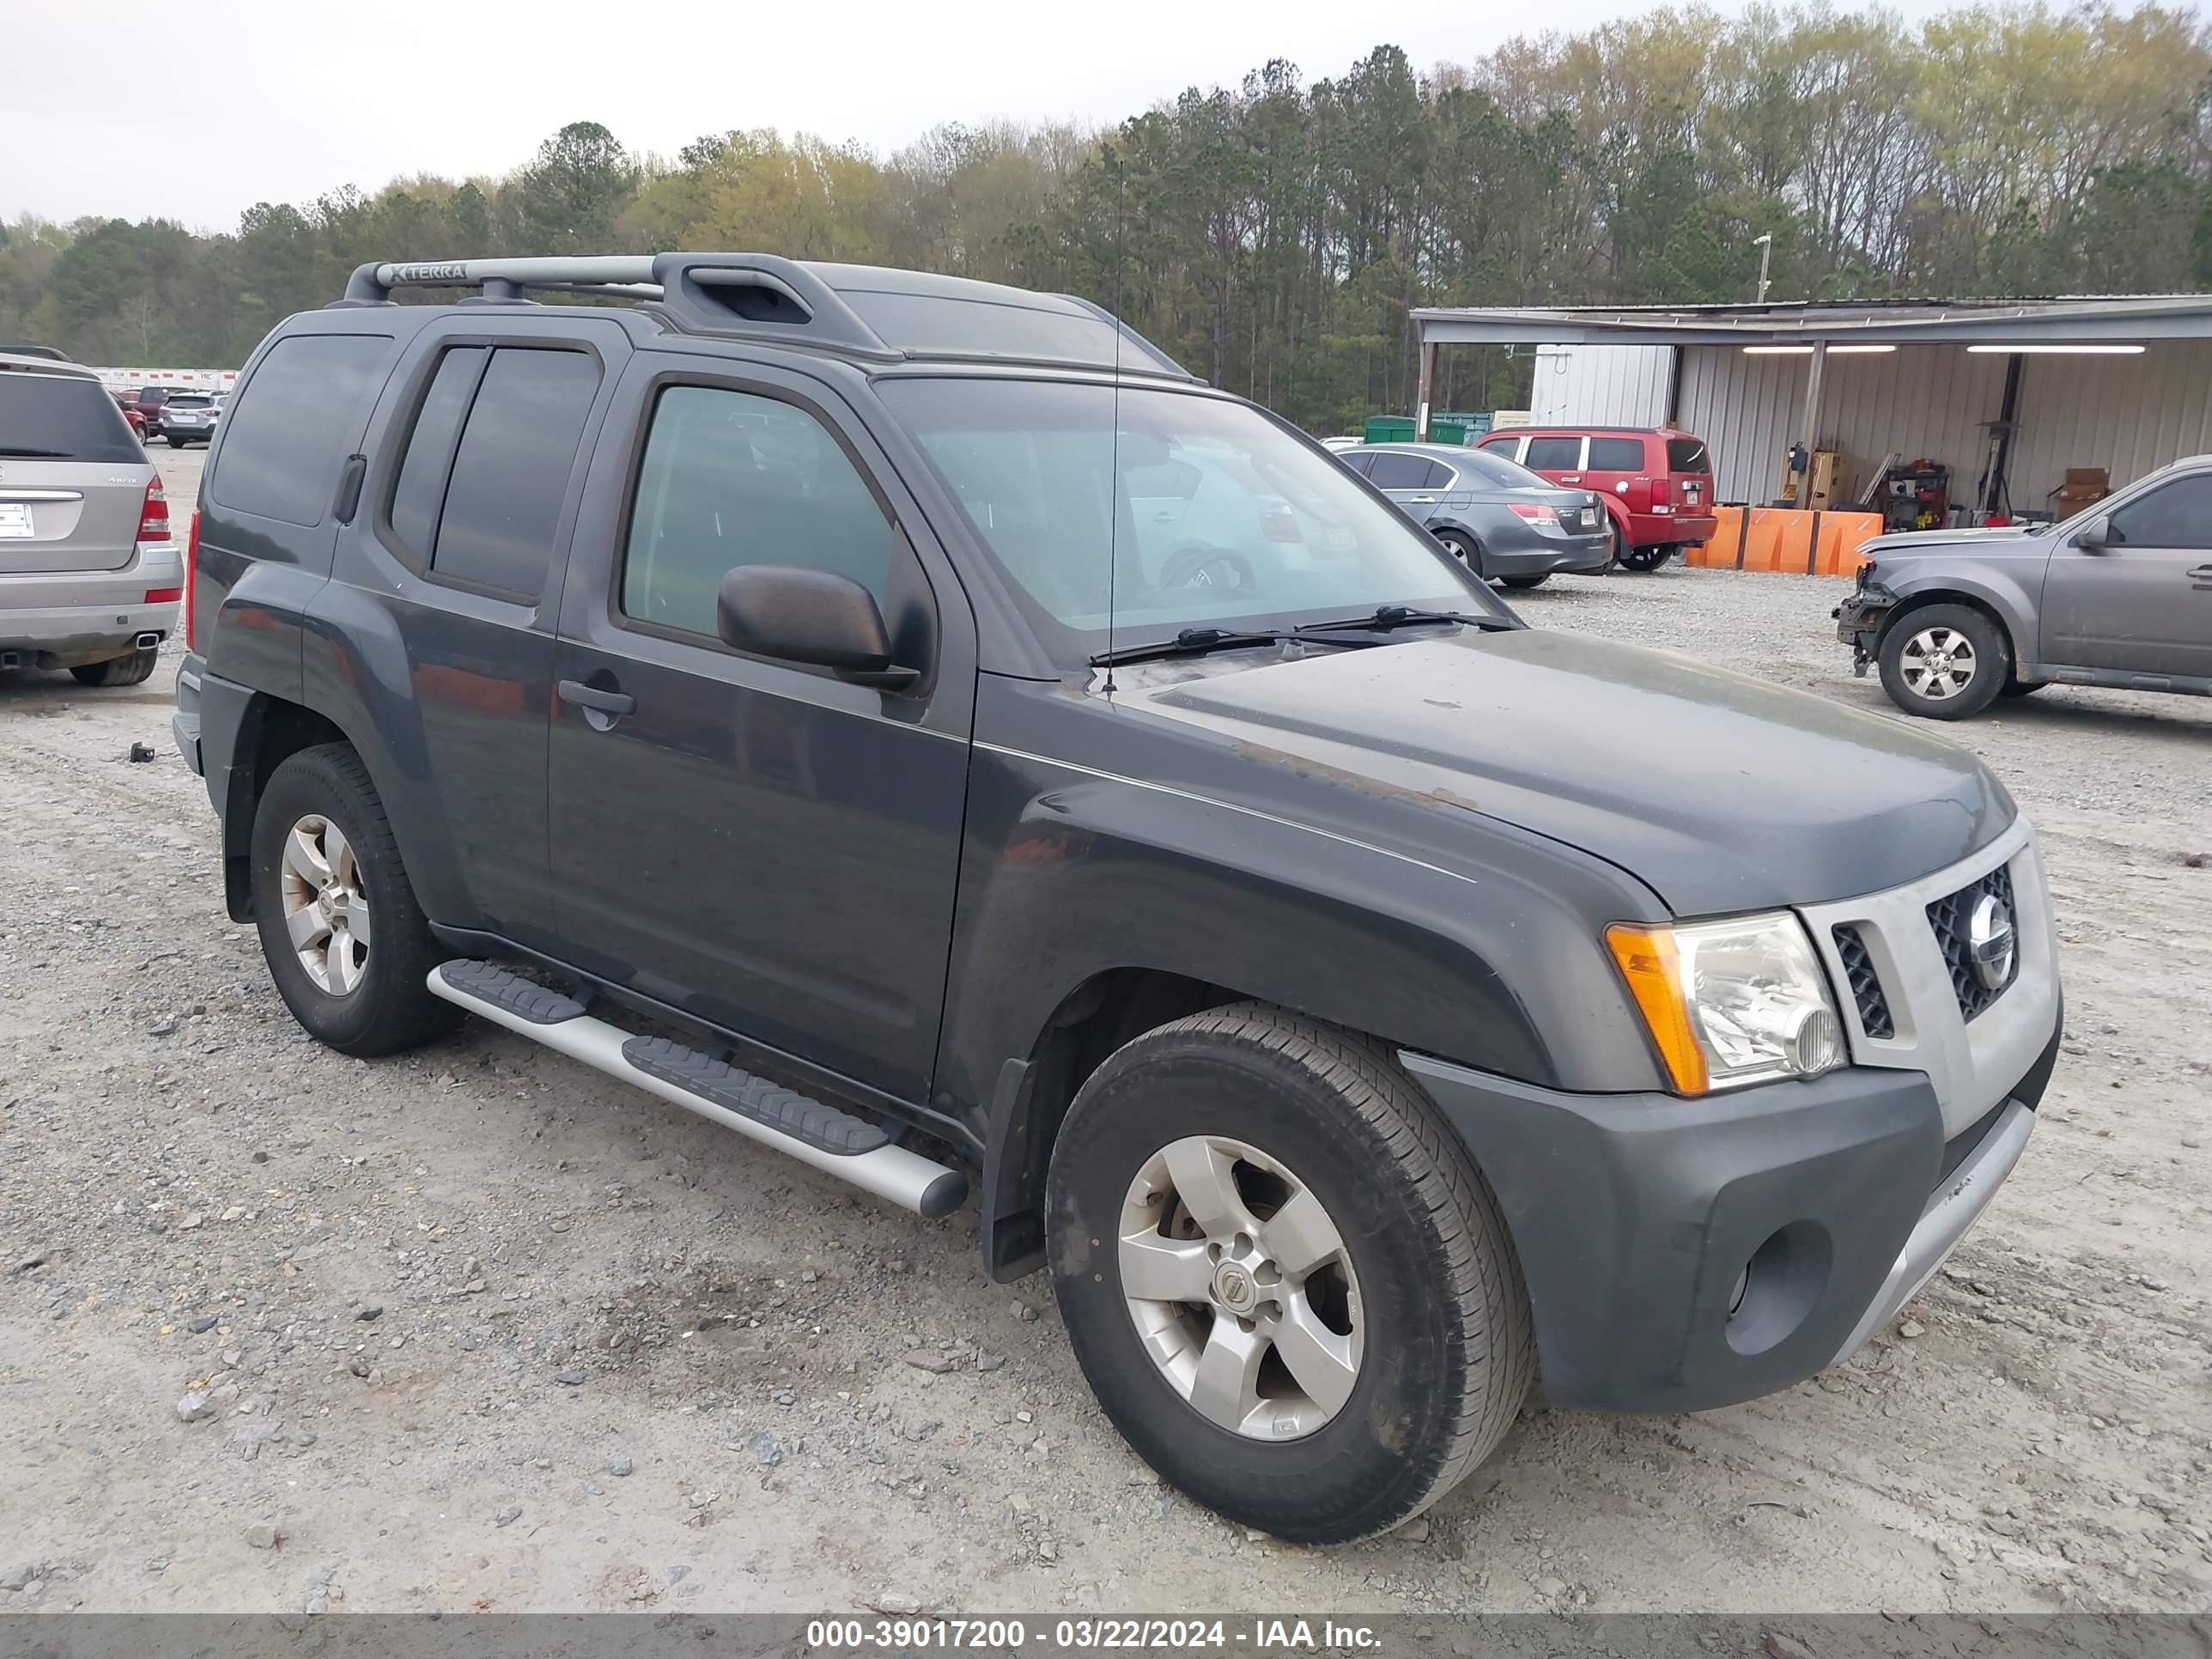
[{"x": 815, "y": 1133}]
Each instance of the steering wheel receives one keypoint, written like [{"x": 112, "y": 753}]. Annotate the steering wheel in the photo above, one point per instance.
[{"x": 1199, "y": 565}]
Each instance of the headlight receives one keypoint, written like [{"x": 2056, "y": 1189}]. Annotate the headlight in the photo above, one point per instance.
[{"x": 1731, "y": 1002}]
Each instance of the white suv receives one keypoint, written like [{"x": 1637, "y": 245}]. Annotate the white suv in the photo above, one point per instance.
[{"x": 90, "y": 579}]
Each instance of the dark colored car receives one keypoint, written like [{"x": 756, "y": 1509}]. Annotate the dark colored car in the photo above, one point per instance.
[
  {"x": 786, "y": 696},
  {"x": 1656, "y": 482},
  {"x": 1509, "y": 524},
  {"x": 2120, "y": 596}
]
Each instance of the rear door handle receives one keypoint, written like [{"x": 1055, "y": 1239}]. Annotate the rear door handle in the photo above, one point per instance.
[
  {"x": 598, "y": 701},
  {"x": 2201, "y": 574}
]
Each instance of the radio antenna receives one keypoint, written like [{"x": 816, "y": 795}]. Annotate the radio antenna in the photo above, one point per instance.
[{"x": 1114, "y": 477}]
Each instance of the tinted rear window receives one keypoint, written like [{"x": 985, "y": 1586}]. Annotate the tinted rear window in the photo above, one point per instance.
[
  {"x": 511, "y": 470},
  {"x": 1687, "y": 455},
  {"x": 190, "y": 400},
  {"x": 1616, "y": 455},
  {"x": 1395, "y": 471},
  {"x": 1480, "y": 468},
  {"x": 286, "y": 433},
  {"x": 61, "y": 418}
]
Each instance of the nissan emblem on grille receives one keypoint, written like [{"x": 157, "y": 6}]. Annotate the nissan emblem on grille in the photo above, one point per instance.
[{"x": 1990, "y": 941}]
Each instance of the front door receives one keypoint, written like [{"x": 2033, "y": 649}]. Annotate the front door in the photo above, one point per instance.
[
  {"x": 761, "y": 845},
  {"x": 2142, "y": 601}
]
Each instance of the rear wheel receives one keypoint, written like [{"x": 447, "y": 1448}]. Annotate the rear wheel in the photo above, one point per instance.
[
  {"x": 1464, "y": 548},
  {"x": 1636, "y": 558},
  {"x": 1944, "y": 662},
  {"x": 1537, "y": 581},
  {"x": 1288, "y": 1286},
  {"x": 345, "y": 941},
  {"x": 133, "y": 670},
  {"x": 175, "y": 442}
]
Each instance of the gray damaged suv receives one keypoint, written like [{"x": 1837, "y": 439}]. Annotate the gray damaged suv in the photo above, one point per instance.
[
  {"x": 1509, "y": 524},
  {"x": 768, "y": 692},
  {"x": 2119, "y": 596},
  {"x": 90, "y": 578}
]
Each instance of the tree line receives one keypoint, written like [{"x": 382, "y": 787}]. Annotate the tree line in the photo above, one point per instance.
[{"x": 1273, "y": 236}]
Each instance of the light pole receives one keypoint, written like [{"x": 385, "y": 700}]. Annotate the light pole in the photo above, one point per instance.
[{"x": 1765, "y": 247}]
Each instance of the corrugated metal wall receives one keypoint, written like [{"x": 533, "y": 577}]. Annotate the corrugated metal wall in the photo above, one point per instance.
[
  {"x": 1601, "y": 386},
  {"x": 2128, "y": 415}
]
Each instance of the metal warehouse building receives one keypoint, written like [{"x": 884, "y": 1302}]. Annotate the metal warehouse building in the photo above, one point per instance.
[{"x": 2009, "y": 394}]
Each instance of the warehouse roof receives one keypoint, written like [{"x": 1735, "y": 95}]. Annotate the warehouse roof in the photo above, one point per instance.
[{"x": 2077, "y": 317}]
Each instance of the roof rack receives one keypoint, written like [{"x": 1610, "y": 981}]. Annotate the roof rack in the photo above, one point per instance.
[{"x": 873, "y": 313}]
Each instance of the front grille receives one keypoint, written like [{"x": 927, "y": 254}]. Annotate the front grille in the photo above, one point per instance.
[
  {"x": 1951, "y": 917},
  {"x": 1866, "y": 984}
]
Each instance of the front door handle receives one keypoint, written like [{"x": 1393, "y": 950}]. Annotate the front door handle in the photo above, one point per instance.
[
  {"x": 598, "y": 702},
  {"x": 2202, "y": 574}
]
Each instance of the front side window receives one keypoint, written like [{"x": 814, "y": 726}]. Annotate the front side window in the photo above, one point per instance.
[
  {"x": 731, "y": 478},
  {"x": 1262, "y": 531},
  {"x": 2178, "y": 514}
]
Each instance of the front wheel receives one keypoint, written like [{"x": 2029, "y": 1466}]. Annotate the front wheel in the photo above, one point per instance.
[
  {"x": 1287, "y": 1284},
  {"x": 345, "y": 941},
  {"x": 1944, "y": 662}
]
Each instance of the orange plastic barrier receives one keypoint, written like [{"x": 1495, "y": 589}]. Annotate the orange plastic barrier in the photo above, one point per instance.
[{"x": 1784, "y": 540}]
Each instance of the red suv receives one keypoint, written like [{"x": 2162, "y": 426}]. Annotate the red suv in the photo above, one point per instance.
[{"x": 1656, "y": 482}]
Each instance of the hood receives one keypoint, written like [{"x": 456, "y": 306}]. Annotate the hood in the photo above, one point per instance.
[
  {"x": 2026, "y": 540},
  {"x": 1720, "y": 792}
]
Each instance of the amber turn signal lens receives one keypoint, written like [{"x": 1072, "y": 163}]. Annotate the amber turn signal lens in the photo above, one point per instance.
[{"x": 1648, "y": 961}]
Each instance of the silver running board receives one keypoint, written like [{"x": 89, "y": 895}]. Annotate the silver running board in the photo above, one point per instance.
[{"x": 816, "y": 1134}]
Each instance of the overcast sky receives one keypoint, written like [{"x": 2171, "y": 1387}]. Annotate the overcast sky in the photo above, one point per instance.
[{"x": 194, "y": 112}]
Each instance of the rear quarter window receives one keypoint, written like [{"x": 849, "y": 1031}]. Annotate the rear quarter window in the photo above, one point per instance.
[
  {"x": 1616, "y": 455},
  {"x": 287, "y": 432},
  {"x": 1688, "y": 455},
  {"x": 61, "y": 417}
]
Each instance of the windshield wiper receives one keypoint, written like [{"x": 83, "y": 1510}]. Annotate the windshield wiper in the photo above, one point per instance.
[
  {"x": 21, "y": 453},
  {"x": 1192, "y": 642},
  {"x": 1385, "y": 618}
]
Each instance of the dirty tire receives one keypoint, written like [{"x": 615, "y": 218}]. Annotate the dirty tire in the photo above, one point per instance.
[
  {"x": 1990, "y": 656},
  {"x": 1450, "y": 1350},
  {"x": 1525, "y": 582},
  {"x": 134, "y": 670},
  {"x": 390, "y": 1009}
]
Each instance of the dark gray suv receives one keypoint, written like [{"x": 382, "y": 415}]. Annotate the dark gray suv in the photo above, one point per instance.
[{"x": 914, "y": 723}]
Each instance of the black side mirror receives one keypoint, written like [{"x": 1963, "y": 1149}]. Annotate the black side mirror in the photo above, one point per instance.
[
  {"x": 2095, "y": 536},
  {"x": 812, "y": 616}
]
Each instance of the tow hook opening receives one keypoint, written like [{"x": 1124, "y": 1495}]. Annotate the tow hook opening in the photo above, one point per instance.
[{"x": 1778, "y": 1287}]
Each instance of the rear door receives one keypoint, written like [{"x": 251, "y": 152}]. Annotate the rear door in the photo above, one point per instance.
[
  {"x": 1615, "y": 467},
  {"x": 2141, "y": 603},
  {"x": 1414, "y": 481},
  {"x": 72, "y": 477},
  {"x": 452, "y": 574},
  {"x": 1558, "y": 459}
]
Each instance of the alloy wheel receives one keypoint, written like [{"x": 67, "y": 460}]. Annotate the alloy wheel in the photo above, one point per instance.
[
  {"x": 1939, "y": 663},
  {"x": 1241, "y": 1286},
  {"x": 325, "y": 914}
]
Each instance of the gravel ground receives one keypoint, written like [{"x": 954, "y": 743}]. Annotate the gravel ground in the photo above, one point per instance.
[{"x": 283, "y": 1331}]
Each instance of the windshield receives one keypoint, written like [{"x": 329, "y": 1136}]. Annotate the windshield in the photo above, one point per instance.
[{"x": 1214, "y": 517}]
